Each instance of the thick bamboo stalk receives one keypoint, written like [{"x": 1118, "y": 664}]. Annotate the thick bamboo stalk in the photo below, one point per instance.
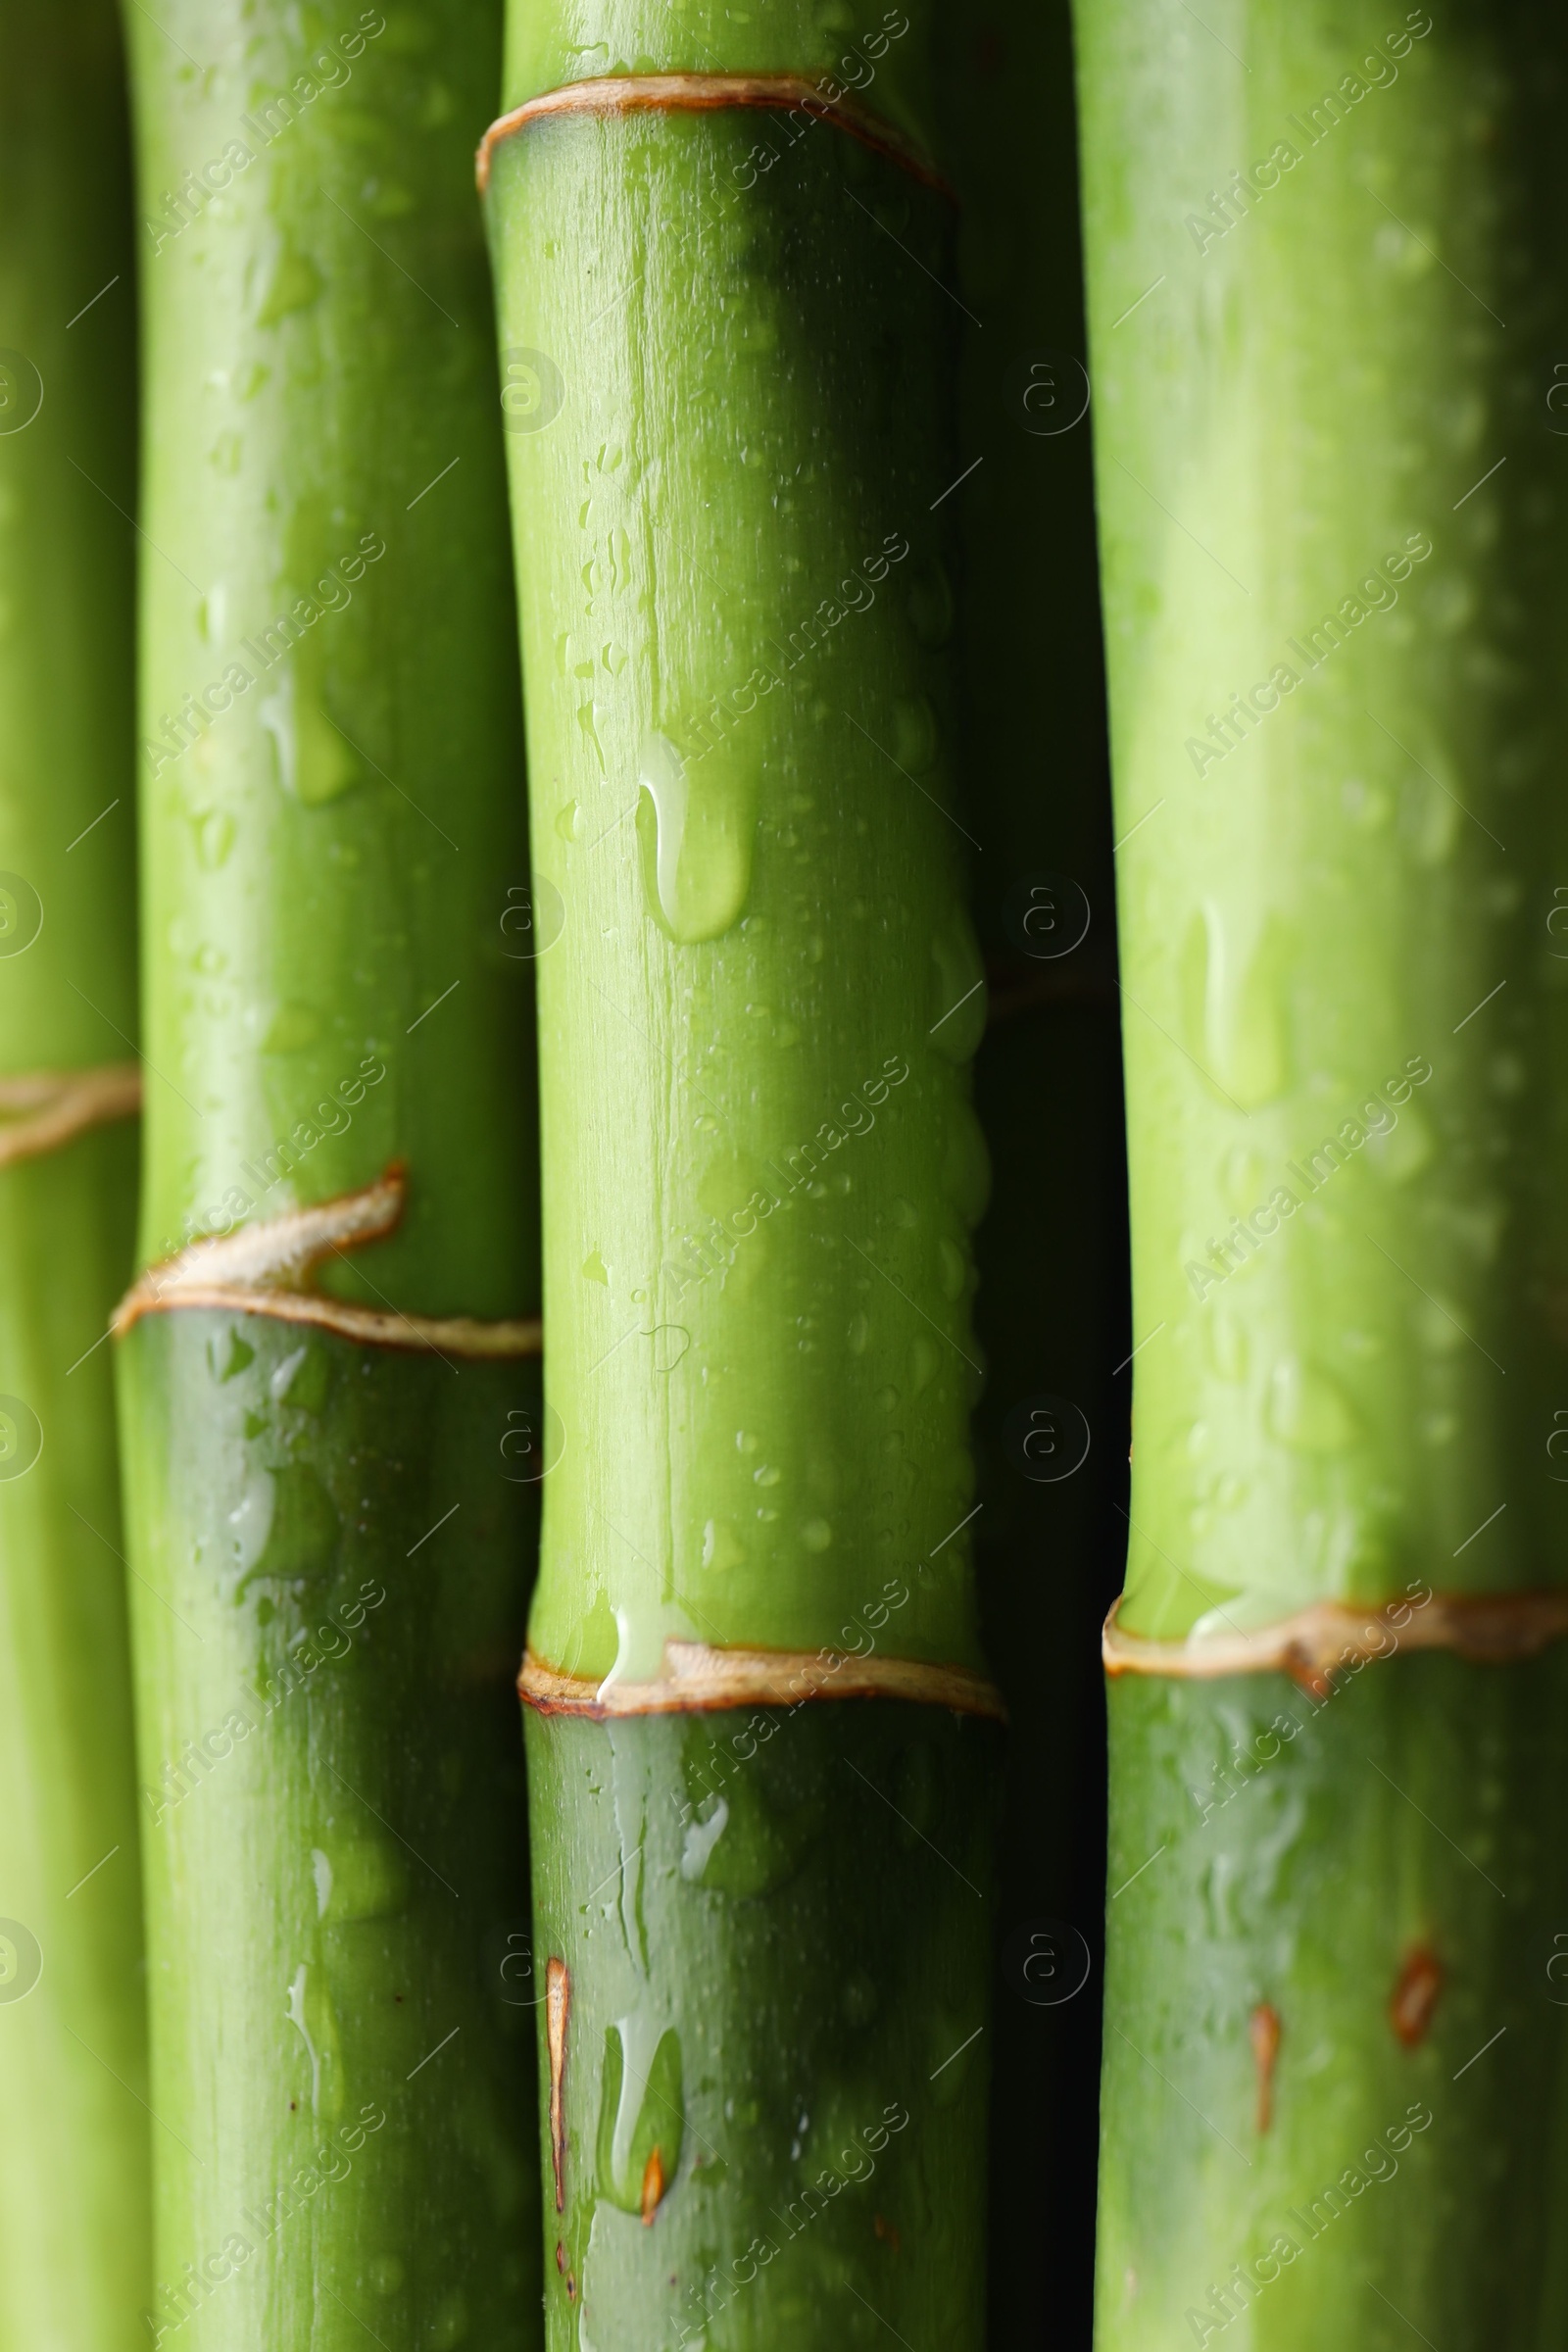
[
  {"x": 74, "y": 2212},
  {"x": 330, "y": 1517},
  {"x": 764, "y": 1921},
  {"x": 1327, "y": 473}
]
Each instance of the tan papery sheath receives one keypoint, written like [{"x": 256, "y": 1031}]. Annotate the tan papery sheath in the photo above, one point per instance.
[{"x": 264, "y": 1269}]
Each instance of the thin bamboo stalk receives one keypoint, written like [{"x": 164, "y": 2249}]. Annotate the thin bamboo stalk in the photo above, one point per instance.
[
  {"x": 328, "y": 1492},
  {"x": 74, "y": 2209}
]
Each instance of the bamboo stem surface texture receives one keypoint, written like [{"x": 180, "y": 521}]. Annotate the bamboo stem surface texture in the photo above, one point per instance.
[
  {"x": 331, "y": 1522},
  {"x": 1331, "y": 478},
  {"x": 726, "y": 326}
]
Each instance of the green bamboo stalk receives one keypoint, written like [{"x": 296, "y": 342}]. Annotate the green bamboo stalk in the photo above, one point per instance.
[
  {"x": 74, "y": 2212},
  {"x": 332, "y": 1535},
  {"x": 1052, "y": 1252},
  {"x": 726, "y": 348},
  {"x": 1333, "y": 599}
]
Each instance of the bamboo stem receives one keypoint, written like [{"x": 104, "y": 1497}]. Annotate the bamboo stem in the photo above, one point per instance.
[
  {"x": 329, "y": 1488},
  {"x": 74, "y": 2208},
  {"x": 1332, "y": 610},
  {"x": 766, "y": 1927}
]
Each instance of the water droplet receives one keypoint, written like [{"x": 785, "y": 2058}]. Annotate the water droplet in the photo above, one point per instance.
[
  {"x": 309, "y": 2011},
  {"x": 931, "y": 603},
  {"x": 292, "y": 1027},
  {"x": 294, "y": 285},
  {"x": 958, "y": 994},
  {"x": 1307, "y": 1410},
  {"x": 860, "y": 1332},
  {"x": 312, "y": 761},
  {"x": 302, "y": 1378},
  {"x": 816, "y": 1534},
  {"x": 213, "y": 831},
  {"x": 1242, "y": 1179},
  {"x": 966, "y": 1165},
  {"x": 364, "y": 1876},
  {"x": 721, "y": 1550},
  {"x": 642, "y": 2118},
  {"x": 952, "y": 1268},
  {"x": 699, "y": 1840},
  {"x": 285, "y": 1525},
  {"x": 568, "y": 822},
  {"x": 296, "y": 2017},
  {"x": 1404, "y": 1151},
  {"x": 1440, "y": 1328},
  {"x": 228, "y": 1353},
  {"x": 696, "y": 819},
  {"x": 595, "y": 1268},
  {"x": 1234, "y": 1009}
]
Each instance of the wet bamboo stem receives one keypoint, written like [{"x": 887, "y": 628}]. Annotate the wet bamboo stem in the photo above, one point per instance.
[
  {"x": 1333, "y": 596},
  {"x": 332, "y": 1533},
  {"x": 727, "y": 388}
]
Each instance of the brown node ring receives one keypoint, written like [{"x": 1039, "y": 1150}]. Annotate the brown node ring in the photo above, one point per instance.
[
  {"x": 713, "y": 93},
  {"x": 1490, "y": 1629},
  {"x": 54, "y": 1107},
  {"x": 700, "y": 1679},
  {"x": 264, "y": 1270}
]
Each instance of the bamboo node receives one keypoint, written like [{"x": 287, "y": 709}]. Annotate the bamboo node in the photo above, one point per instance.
[
  {"x": 1312, "y": 1645},
  {"x": 714, "y": 94},
  {"x": 266, "y": 1269},
  {"x": 52, "y": 1107},
  {"x": 701, "y": 1679}
]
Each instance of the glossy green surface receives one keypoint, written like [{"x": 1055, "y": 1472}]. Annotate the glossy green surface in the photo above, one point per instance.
[
  {"x": 336, "y": 845},
  {"x": 74, "y": 2212},
  {"x": 1284, "y": 1860},
  {"x": 878, "y": 53},
  {"x": 727, "y": 367},
  {"x": 760, "y": 1162},
  {"x": 336, "y": 978},
  {"x": 777, "y": 1949},
  {"x": 334, "y": 1830},
  {"x": 1343, "y": 969}
]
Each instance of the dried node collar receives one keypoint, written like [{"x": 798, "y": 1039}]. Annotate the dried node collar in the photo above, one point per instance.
[
  {"x": 713, "y": 93},
  {"x": 265, "y": 1269}
]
